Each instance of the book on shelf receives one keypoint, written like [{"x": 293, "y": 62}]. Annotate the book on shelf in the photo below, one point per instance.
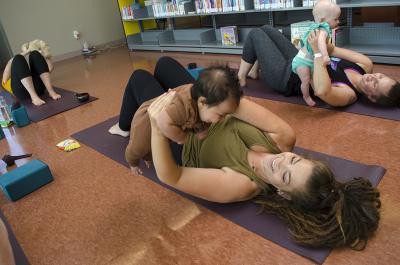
[
  {"x": 335, "y": 34},
  {"x": 229, "y": 35},
  {"x": 297, "y": 31}
]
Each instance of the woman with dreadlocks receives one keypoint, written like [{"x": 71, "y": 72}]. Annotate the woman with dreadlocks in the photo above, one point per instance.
[{"x": 237, "y": 161}]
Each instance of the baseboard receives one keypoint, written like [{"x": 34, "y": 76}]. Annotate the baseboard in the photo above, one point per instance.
[{"x": 73, "y": 54}]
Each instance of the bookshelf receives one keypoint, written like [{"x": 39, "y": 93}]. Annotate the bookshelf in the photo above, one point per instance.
[{"x": 380, "y": 43}]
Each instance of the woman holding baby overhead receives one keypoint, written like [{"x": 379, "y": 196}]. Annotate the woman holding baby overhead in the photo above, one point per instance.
[
  {"x": 338, "y": 80},
  {"x": 228, "y": 160}
]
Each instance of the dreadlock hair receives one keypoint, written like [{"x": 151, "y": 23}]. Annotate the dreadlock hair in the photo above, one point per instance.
[
  {"x": 328, "y": 213},
  {"x": 216, "y": 84},
  {"x": 392, "y": 99}
]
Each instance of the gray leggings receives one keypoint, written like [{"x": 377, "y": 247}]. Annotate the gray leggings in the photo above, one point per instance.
[{"x": 274, "y": 53}]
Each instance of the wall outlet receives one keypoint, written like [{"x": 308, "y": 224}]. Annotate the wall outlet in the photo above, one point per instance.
[{"x": 76, "y": 34}]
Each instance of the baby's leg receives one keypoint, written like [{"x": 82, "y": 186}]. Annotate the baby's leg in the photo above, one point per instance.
[{"x": 304, "y": 74}]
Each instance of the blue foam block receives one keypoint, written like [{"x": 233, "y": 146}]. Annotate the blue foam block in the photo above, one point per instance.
[
  {"x": 196, "y": 72},
  {"x": 20, "y": 117},
  {"x": 25, "y": 179}
]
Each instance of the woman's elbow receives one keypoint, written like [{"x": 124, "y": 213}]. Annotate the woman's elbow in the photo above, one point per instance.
[{"x": 322, "y": 91}]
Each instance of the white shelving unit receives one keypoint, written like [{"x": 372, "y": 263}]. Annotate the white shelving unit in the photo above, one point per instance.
[{"x": 382, "y": 44}]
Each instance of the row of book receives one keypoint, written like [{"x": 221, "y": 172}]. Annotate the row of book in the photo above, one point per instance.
[
  {"x": 164, "y": 8},
  {"x": 127, "y": 12}
]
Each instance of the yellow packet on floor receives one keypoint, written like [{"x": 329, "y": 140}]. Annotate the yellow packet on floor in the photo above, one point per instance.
[{"x": 68, "y": 145}]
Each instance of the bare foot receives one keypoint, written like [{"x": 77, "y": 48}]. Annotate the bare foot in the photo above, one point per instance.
[
  {"x": 242, "y": 80},
  {"x": 116, "y": 130},
  {"x": 309, "y": 101},
  {"x": 55, "y": 96},
  {"x": 136, "y": 170},
  {"x": 38, "y": 101},
  {"x": 253, "y": 74}
]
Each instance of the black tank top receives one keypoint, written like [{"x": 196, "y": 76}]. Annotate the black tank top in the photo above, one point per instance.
[{"x": 336, "y": 71}]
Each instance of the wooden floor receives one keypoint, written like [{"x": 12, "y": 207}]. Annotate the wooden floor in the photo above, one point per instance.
[{"x": 96, "y": 212}]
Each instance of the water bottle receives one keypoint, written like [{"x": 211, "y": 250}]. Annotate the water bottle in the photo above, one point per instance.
[{"x": 5, "y": 109}]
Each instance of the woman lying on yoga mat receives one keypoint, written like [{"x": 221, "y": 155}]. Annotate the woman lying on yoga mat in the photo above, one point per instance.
[
  {"x": 237, "y": 161},
  {"x": 195, "y": 106},
  {"x": 27, "y": 75},
  {"x": 339, "y": 84}
]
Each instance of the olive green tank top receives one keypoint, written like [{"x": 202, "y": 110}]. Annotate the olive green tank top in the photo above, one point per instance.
[{"x": 227, "y": 145}]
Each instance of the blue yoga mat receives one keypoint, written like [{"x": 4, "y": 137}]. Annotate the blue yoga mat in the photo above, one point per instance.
[{"x": 245, "y": 213}]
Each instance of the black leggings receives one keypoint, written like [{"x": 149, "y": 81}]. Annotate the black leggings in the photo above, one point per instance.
[
  {"x": 143, "y": 86},
  {"x": 274, "y": 53},
  {"x": 20, "y": 70}
]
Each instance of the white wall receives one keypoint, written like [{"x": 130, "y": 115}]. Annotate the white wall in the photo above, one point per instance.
[{"x": 54, "y": 20}]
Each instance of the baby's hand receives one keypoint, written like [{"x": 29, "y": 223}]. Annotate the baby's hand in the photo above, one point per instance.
[
  {"x": 201, "y": 135},
  {"x": 148, "y": 164},
  {"x": 136, "y": 170},
  {"x": 326, "y": 60}
]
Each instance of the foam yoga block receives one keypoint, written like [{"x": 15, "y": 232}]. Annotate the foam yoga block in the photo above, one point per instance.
[
  {"x": 195, "y": 72},
  {"x": 20, "y": 117},
  {"x": 25, "y": 179}
]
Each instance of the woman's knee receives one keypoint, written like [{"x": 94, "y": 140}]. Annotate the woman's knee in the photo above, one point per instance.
[
  {"x": 38, "y": 63},
  {"x": 139, "y": 75},
  {"x": 167, "y": 61},
  {"x": 19, "y": 68}
]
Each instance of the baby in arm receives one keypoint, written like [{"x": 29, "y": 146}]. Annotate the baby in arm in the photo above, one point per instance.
[{"x": 326, "y": 16}]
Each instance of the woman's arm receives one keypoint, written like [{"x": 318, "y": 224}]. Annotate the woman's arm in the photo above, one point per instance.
[
  {"x": 218, "y": 185},
  {"x": 337, "y": 96},
  {"x": 7, "y": 71},
  {"x": 354, "y": 57},
  {"x": 265, "y": 120}
]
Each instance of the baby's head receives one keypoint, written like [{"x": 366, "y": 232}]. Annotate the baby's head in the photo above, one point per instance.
[
  {"x": 217, "y": 93},
  {"x": 326, "y": 11}
]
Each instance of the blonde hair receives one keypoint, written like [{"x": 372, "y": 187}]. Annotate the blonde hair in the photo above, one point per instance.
[
  {"x": 323, "y": 9},
  {"x": 36, "y": 45}
]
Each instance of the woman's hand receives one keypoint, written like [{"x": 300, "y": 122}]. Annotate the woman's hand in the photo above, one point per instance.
[
  {"x": 158, "y": 105},
  {"x": 313, "y": 40}
]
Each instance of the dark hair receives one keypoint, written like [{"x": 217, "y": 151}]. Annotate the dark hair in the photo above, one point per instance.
[
  {"x": 393, "y": 97},
  {"x": 328, "y": 213},
  {"x": 216, "y": 84}
]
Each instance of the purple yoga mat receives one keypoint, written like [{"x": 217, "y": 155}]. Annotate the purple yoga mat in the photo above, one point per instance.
[
  {"x": 244, "y": 214},
  {"x": 19, "y": 255},
  {"x": 257, "y": 88},
  {"x": 52, "y": 107}
]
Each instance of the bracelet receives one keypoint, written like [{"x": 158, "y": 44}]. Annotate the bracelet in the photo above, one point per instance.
[{"x": 317, "y": 55}]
